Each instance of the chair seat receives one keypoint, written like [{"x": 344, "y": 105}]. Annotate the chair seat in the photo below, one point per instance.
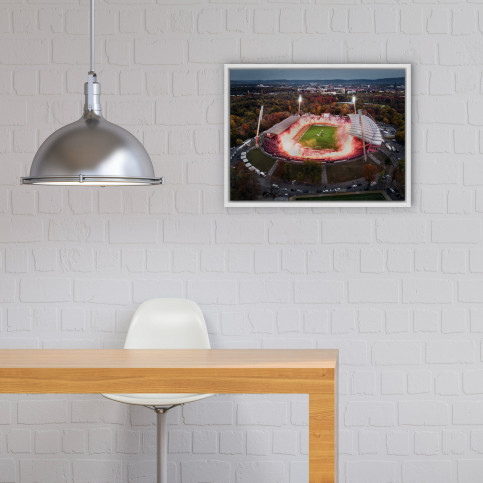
[{"x": 160, "y": 400}]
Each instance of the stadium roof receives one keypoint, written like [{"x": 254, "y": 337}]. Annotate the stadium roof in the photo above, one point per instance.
[
  {"x": 280, "y": 127},
  {"x": 372, "y": 135}
]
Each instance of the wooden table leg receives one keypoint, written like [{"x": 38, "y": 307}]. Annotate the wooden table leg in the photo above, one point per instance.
[{"x": 323, "y": 444}]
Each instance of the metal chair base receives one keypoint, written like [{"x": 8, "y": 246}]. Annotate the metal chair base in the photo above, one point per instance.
[{"x": 162, "y": 443}]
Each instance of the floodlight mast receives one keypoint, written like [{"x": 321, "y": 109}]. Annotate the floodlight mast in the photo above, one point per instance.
[
  {"x": 354, "y": 102},
  {"x": 260, "y": 116},
  {"x": 362, "y": 133},
  {"x": 300, "y": 102}
]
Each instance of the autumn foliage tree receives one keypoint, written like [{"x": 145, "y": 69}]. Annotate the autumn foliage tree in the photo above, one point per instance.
[
  {"x": 243, "y": 184},
  {"x": 399, "y": 174},
  {"x": 312, "y": 171},
  {"x": 401, "y": 136},
  {"x": 369, "y": 171},
  {"x": 281, "y": 102},
  {"x": 286, "y": 172}
]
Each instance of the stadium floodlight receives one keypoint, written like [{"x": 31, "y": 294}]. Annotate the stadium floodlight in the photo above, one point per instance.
[
  {"x": 300, "y": 102},
  {"x": 362, "y": 133},
  {"x": 260, "y": 117},
  {"x": 354, "y": 102}
]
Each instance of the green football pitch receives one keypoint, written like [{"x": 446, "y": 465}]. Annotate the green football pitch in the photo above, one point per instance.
[{"x": 320, "y": 137}]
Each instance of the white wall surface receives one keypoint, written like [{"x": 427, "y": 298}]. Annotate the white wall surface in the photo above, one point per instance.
[{"x": 399, "y": 292}]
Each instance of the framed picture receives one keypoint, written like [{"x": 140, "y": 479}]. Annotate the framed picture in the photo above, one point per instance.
[{"x": 318, "y": 135}]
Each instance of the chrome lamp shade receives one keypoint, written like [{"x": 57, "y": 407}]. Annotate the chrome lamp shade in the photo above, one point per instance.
[{"x": 92, "y": 151}]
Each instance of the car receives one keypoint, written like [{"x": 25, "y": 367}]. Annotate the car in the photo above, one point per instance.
[
  {"x": 306, "y": 191},
  {"x": 299, "y": 191},
  {"x": 325, "y": 191},
  {"x": 354, "y": 186},
  {"x": 318, "y": 191},
  {"x": 337, "y": 189},
  {"x": 293, "y": 181},
  {"x": 275, "y": 185}
]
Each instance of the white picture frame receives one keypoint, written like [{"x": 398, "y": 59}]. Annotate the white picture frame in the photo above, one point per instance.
[{"x": 293, "y": 199}]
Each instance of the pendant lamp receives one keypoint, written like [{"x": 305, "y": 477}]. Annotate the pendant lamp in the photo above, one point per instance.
[{"x": 92, "y": 151}]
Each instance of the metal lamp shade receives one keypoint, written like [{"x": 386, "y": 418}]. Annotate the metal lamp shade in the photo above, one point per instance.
[{"x": 92, "y": 151}]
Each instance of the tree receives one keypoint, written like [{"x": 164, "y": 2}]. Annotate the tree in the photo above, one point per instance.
[
  {"x": 399, "y": 173},
  {"x": 369, "y": 171},
  {"x": 401, "y": 136},
  {"x": 312, "y": 171},
  {"x": 243, "y": 183},
  {"x": 286, "y": 172}
]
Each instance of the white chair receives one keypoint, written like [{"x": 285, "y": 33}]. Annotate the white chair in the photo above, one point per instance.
[{"x": 165, "y": 324}]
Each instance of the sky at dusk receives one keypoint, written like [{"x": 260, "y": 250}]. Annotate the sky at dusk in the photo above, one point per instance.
[{"x": 313, "y": 74}]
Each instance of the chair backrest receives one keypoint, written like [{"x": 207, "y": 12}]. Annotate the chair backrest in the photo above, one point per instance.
[{"x": 167, "y": 324}]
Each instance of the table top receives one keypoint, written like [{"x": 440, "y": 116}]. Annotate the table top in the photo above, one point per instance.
[
  {"x": 169, "y": 358},
  {"x": 180, "y": 371}
]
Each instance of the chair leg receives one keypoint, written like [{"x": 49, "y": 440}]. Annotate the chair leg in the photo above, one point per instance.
[{"x": 162, "y": 450}]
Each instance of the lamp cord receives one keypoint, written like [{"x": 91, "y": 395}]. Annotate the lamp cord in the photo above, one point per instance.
[
  {"x": 91, "y": 102},
  {"x": 92, "y": 35}
]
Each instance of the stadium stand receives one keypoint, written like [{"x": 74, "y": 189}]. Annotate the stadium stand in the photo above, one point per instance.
[
  {"x": 372, "y": 134},
  {"x": 282, "y": 126}
]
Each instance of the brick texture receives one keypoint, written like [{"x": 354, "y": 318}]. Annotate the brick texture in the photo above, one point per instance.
[{"x": 399, "y": 292}]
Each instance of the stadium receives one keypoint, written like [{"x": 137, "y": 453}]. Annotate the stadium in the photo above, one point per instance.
[{"x": 324, "y": 138}]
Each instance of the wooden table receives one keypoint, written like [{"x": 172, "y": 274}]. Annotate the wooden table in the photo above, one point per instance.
[{"x": 313, "y": 372}]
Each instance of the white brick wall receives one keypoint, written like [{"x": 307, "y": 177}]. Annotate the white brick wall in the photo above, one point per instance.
[{"x": 397, "y": 291}]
